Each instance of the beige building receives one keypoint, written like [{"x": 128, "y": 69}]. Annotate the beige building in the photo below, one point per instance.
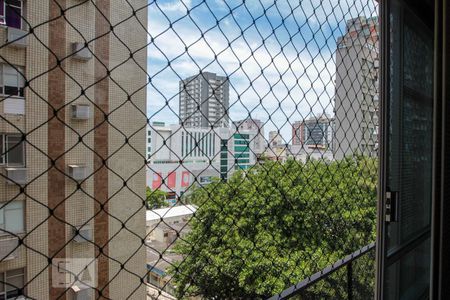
[
  {"x": 165, "y": 226},
  {"x": 356, "y": 98},
  {"x": 275, "y": 140},
  {"x": 253, "y": 125},
  {"x": 63, "y": 165}
]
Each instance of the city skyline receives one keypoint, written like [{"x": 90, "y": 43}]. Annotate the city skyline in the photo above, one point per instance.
[
  {"x": 254, "y": 88},
  {"x": 287, "y": 139}
]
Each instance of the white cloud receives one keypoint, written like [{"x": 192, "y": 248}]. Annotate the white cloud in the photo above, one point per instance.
[
  {"x": 306, "y": 63},
  {"x": 175, "y": 6}
]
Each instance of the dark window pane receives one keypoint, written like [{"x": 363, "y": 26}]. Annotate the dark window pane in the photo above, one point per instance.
[
  {"x": 2, "y": 7},
  {"x": 13, "y": 294},
  {"x": 11, "y": 90},
  {"x": 409, "y": 277},
  {"x": 15, "y": 151},
  {"x": 410, "y": 161},
  {"x": 13, "y": 17},
  {"x": 15, "y": 273}
]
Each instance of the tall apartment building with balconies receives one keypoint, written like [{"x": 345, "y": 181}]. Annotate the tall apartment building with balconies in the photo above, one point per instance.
[
  {"x": 62, "y": 162},
  {"x": 204, "y": 101},
  {"x": 356, "y": 97}
]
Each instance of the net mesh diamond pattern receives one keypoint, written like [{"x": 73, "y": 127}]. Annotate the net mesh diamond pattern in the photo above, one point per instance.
[{"x": 202, "y": 149}]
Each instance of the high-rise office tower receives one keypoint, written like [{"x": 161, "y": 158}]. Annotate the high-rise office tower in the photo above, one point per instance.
[
  {"x": 63, "y": 158},
  {"x": 204, "y": 101},
  {"x": 356, "y": 98}
]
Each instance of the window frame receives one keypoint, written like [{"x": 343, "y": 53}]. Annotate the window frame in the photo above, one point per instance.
[
  {"x": 20, "y": 144},
  {"x": 3, "y": 17},
  {"x": 4, "y": 161},
  {"x": 3, "y": 210},
  {"x": 4, "y": 292},
  {"x": 20, "y": 72}
]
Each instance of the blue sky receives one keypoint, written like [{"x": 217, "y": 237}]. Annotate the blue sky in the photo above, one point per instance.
[{"x": 279, "y": 55}]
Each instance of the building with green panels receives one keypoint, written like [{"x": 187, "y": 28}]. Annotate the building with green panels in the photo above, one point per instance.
[
  {"x": 224, "y": 159},
  {"x": 205, "y": 153},
  {"x": 242, "y": 152}
]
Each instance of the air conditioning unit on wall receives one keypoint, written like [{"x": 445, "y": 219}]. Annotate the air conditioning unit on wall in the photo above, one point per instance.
[
  {"x": 84, "y": 234},
  {"x": 17, "y": 37},
  {"x": 78, "y": 172},
  {"x": 81, "y": 111},
  {"x": 81, "y": 51}
]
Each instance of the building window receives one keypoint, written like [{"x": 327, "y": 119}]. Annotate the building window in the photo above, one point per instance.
[
  {"x": 182, "y": 143},
  {"x": 11, "y": 80},
  {"x": 11, "y": 284},
  {"x": 12, "y": 218},
  {"x": 11, "y": 13},
  {"x": 205, "y": 179},
  {"x": 12, "y": 150}
]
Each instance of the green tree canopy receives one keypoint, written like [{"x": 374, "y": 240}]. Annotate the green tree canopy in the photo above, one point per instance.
[
  {"x": 274, "y": 225},
  {"x": 156, "y": 198}
]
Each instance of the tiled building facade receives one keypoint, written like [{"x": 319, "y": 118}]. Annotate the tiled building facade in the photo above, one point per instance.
[{"x": 69, "y": 173}]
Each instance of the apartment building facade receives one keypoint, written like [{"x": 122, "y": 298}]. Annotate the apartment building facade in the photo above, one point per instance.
[
  {"x": 357, "y": 89},
  {"x": 204, "y": 100},
  {"x": 149, "y": 137},
  {"x": 56, "y": 193},
  {"x": 253, "y": 125},
  {"x": 205, "y": 153},
  {"x": 316, "y": 131},
  {"x": 275, "y": 140}
]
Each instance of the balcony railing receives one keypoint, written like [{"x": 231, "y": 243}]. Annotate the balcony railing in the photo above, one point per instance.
[{"x": 342, "y": 287}]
